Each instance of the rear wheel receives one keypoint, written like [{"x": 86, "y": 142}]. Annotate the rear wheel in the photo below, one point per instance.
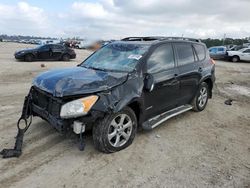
[
  {"x": 200, "y": 100},
  {"x": 116, "y": 131},
  {"x": 28, "y": 57},
  {"x": 235, "y": 59},
  {"x": 65, "y": 57}
]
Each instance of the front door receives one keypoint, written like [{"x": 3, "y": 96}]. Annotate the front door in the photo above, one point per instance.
[
  {"x": 245, "y": 56},
  {"x": 164, "y": 96},
  {"x": 44, "y": 52}
]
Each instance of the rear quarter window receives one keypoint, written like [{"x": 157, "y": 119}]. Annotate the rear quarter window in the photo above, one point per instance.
[
  {"x": 185, "y": 53},
  {"x": 200, "y": 51}
]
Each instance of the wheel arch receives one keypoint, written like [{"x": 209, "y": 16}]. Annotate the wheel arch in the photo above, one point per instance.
[
  {"x": 209, "y": 82},
  {"x": 235, "y": 56},
  {"x": 136, "y": 106}
]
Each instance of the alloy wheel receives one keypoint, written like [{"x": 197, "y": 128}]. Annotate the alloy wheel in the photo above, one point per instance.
[
  {"x": 120, "y": 130},
  {"x": 202, "y": 99}
]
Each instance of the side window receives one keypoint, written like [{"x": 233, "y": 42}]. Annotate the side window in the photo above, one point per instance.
[
  {"x": 221, "y": 49},
  {"x": 200, "y": 51},
  {"x": 247, "y": 51},
  {"x": 56, "y": 47},
  {"x": 184, "y": 53},
  {"x": 45, "y": 47},
  {"x": 161, "y": 59},
  {"x": 213, "y": 50}
]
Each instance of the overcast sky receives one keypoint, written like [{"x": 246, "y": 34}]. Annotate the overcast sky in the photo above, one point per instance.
[{"x": 120, "y": 18}]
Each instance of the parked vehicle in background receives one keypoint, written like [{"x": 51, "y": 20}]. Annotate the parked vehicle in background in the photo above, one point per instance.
[
  {"x": 46, "y": 52},
  {"x": 139, "y": 81},
  {"x": 242, "y": 54},
  {"x": 217, "y": 52}
]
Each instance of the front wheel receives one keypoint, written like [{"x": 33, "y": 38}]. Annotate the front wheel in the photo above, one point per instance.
[
  {"x": 200, "y": 100},
  {"x": 235, "y": 59},
  {"x": 28, "y": 57},
  {"x": 116, "y": 131}
]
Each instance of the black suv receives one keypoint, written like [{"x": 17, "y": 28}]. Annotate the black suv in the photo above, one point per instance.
[
  {"x": 135, "y": 82},
  {"x": 46, "y": 52}
]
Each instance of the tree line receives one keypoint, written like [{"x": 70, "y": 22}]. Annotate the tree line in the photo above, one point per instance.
[{"x": 228, "y": 41}]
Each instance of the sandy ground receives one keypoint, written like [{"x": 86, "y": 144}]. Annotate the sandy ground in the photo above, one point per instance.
[{"x": 206, "y": 149}]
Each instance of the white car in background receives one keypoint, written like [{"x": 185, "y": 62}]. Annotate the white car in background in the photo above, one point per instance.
[{"x": 242, "y": 54}]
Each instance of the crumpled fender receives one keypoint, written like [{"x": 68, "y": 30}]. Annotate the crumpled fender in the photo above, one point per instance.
[{"x": 119, "y": 97}]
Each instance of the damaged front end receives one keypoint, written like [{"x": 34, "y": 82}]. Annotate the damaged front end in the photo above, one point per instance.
[
  {"x": 48, "y": 107},
  {"x": 74, "y": 99}
]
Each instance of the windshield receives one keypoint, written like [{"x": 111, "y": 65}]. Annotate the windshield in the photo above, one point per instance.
[{"x": 116, "y": 57}]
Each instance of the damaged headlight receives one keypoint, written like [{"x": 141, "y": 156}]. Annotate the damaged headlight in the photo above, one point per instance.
[{"x": 78, "y": 107}]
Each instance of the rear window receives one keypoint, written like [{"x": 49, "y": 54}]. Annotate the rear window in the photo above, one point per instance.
[
  {"x": 184, "y": 53},
  {"x": 200, "y": 51}
]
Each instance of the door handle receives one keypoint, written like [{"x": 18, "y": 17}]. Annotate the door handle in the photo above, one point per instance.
[{"x": 200, "y": 69}]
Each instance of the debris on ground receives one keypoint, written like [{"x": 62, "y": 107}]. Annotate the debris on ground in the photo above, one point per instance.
[
  {"x": 228, "y": 102},
  {"x": 120, "y": 170},
  {"x": 43, "y": 65},
  {"x": 158, "y": 136}
]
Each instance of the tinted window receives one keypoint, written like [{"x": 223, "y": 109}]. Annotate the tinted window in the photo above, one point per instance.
[
  {"x": 161, "y": 59},
  {"x": 184, "y": 53},
  {"x": 213, "y": 50},
  {"x": 44, "y": 47},
  {"x": 200, "y": 51},
  {"x": 221, "y": 49},
  {"x": 247, "y": 51},
  {"x": 57, "y": 47}
]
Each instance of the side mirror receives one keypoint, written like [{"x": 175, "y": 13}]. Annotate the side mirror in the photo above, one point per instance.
[{"x": 149, "y": 82}]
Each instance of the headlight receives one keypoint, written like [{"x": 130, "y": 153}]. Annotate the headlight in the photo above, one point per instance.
[{"x": 78, "y": 107}]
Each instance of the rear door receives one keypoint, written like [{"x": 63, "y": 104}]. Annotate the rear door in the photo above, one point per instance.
[
  {"x": 57, "y": 51},
  {"x": 161, "y": 64},
  {"x": 190, "y": 70}
]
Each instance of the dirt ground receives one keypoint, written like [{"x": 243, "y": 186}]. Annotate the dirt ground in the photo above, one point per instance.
[{"x": 206, "y": 149}]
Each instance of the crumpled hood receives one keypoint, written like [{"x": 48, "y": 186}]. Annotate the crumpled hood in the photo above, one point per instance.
[{"x": 77, "y": 80}]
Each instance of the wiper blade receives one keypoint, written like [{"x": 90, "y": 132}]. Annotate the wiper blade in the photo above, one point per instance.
[{"x": 95, "y": 68}]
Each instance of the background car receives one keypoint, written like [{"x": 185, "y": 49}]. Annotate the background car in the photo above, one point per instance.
[
  {"x": 242, "y": 54},
  {"x": 46, "y": 52},
  {"x": 217, "y": 52}
]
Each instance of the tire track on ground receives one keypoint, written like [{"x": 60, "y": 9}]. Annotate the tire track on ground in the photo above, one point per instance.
[
  {"x": 29, "y": 155},
  {"x": 11, "y": 180}
]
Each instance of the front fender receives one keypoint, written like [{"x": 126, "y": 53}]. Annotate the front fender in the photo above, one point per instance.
[{"x": 120, "y": 96}]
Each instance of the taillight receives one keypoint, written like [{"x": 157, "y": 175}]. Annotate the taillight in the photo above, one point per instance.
[{"x": 212, "y": 61}]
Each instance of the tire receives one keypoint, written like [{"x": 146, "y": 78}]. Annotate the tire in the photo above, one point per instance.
[
  {"x": 29, "y": 57},
  {"x": 200, "y": 100},
  {"x": 65, "y": 57},
  {"x": 109, "y": 133},
  {"x": 235, "y": 59}
]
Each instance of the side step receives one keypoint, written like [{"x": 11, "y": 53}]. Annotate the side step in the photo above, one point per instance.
[{"x": 157, "y": 120}]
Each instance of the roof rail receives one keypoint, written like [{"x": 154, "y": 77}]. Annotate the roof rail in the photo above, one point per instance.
[
  {"x": 142, "y": 38},
  {"x": 160, "y": 38},
  {"x": 182, "y": 38}
]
